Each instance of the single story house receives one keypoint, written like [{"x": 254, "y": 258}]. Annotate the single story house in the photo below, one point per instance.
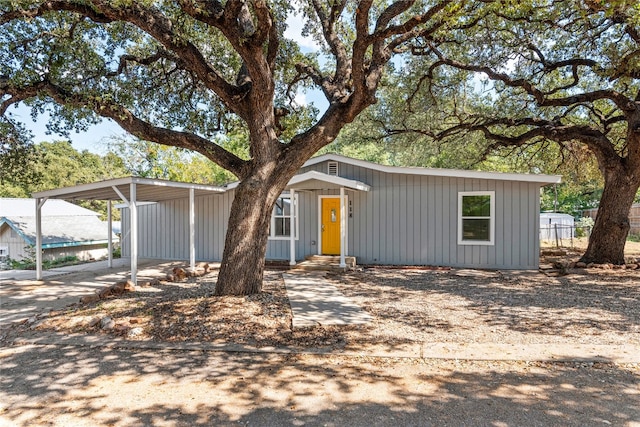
[
  {"x": 383, "y": 215},
  {"x": 67, "y": 230}
]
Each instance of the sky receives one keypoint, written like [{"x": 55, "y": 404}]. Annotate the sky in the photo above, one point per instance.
[{"x": 95, "y": 138}]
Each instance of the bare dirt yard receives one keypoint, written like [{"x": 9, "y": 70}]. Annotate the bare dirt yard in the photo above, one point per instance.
[
  {"x": 118, "y": 385},
  {"x": 592, "y": 305}
]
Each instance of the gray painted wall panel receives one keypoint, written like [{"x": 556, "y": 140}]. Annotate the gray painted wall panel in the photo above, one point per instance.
[{"x": 404, "y": 219}]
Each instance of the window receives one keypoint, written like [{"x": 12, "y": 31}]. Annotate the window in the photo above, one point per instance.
[
  {"x": 281, "y": 218},
  {"x": 476, "y": 217},
  {"x": 4, "y": 251}
]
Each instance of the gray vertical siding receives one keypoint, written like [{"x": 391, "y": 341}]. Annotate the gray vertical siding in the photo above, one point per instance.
[
  {"x": 402, "y": 220},
  {"x": 413, "y": 220},
  {"x": 163, "y": 228}
]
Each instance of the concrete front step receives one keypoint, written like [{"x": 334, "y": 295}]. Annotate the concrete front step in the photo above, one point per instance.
[{"x": 325, "y": 262}]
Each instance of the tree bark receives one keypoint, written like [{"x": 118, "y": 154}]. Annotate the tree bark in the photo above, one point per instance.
[
  {"x": 243, "y": 259},
  {"x": 609, "y": 234}
]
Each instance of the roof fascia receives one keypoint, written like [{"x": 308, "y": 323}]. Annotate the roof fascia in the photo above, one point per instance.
[
  {"x": 452, "y": 173},
  {"x": 15, "y": 228},
  {"x": 58, "y": 192},
  {"x": 61, "y": 192},
  {"x": 74, "y": 244},
  {"x": 336, "y": 180}
]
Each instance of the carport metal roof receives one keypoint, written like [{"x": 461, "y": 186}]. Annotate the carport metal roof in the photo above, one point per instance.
[
  {"x": 147, "y": 190},
  {"x": 131, "y": 190}
]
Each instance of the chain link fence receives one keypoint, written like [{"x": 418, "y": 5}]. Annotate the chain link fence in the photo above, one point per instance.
[{"x": 563, "y": 235}]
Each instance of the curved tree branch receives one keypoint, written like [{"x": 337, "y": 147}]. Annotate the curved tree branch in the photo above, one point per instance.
[
  {"x": 542, "y": 98},
  {"x": 153, "y": 22},
  {"x": 133, "y": 124}
]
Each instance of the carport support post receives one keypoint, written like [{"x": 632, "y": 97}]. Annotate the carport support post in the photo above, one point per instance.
[
  {"x": 343, "y": 228},
  {"x": 192, "y": 230},
  {"x": 292, "y": 228},
  {"x": 134, "y": 233},
  {"x": 110, "y": 233},
  {"x": 39, "y": 203}
]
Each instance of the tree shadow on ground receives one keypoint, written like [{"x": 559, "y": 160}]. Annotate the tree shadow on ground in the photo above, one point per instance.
[
  {"x": 526, "y": 303},
  {"x": 56, "y": 385}
]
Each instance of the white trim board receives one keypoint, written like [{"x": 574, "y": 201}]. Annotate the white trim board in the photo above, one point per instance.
[
  {"x": 492, "y": 218},
  {"x": 453, "y": 173}
]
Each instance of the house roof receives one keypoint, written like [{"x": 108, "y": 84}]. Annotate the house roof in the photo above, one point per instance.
[
  {"x": 454, "y": 173},
  {"x": 314, "y": 180},
  {"x": 13, "y": 207},
  {"x": 63, "y": 223},
  {"x": 147, "y": 190}
]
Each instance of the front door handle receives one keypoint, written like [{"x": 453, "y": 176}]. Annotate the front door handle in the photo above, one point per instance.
[{"x": 322, "y": 227}]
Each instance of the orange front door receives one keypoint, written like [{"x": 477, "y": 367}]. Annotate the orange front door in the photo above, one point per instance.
[{"x": 330, "y": 226}]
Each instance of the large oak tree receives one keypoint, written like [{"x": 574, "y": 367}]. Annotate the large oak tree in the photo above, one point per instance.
[
  {"x": 181, "y": 72},
  {"x": 566, "y": 71}
]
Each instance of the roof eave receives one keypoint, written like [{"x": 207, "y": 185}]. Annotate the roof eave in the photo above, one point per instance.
[{"x": 452, "y": 173}]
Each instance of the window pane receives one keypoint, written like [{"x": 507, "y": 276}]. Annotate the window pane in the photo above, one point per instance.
[
  {"x": 282, "y": 207},
  {"x": 476, "y": 205},
  {"x": 282, "y": 226},
  {"x": 475, "y": 229},
  {"x": 286, "y": 207}
]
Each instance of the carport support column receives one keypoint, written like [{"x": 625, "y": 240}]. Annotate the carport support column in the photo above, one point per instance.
[
  {"x": 343, "y": 229},
  {"x": 133, "y": 208},
  {"x": 39, "y": 203},
  {"x": 192, "y": 229},
  {"x": 110, "y": 234},
  {"x": 292, "y": 229}
]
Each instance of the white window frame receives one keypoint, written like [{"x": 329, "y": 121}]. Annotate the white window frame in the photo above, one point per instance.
[
  {"x": 272, "y": 228},
  {"x": 491, "y": 218}
]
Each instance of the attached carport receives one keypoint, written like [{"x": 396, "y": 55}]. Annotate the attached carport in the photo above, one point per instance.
[{"x": 131, "y": 191}]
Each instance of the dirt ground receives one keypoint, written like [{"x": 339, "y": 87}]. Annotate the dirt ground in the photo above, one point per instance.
[
  {"x": 579, "y": 244},
  {"x": 117, "y": 385}
]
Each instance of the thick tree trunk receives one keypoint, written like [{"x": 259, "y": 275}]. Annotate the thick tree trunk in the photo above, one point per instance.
[
  {"x": 243, "y": 259},
  {"x": 609, "y": 235}
]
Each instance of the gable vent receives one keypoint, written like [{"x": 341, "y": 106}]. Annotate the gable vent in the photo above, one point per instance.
[{"x": 333, "y": 168}]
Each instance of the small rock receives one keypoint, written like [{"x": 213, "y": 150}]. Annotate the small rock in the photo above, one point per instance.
[
  {"x": 134, "y": 320},
  {"x": 171, "y": 278},
  {"x": 121, "y": 328},
  {"x": 122, "y": 287},
  {"x": 105, "y": 292},
  {"x": 147, "y": 283},
  {"x": 135, "y": 332},
  {"x": 107, "y": 323},
  {"x": 93, "y": 322},
  {"x": 632, "y": 266},
  {"x": 581, "y": 265},
  {"x": 180, "y": 273},
  {"x": 88, "y": 299}
]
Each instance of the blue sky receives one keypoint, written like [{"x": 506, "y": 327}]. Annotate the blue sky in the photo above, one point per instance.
[{"x": 93, "y": 139}]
